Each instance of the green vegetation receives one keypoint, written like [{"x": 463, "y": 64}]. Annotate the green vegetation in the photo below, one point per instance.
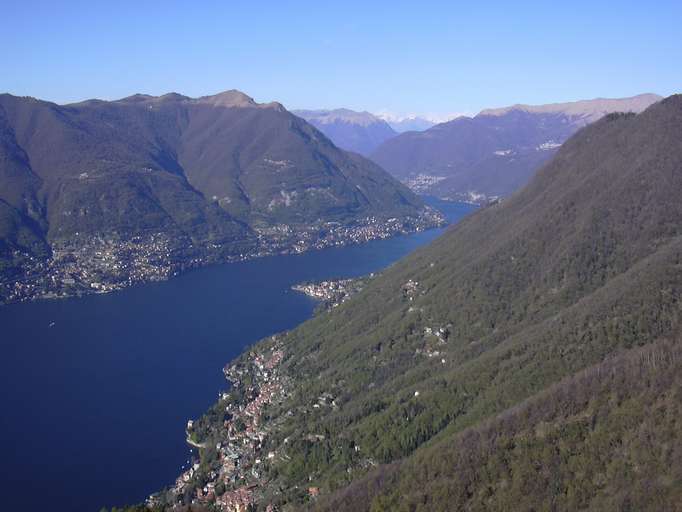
[
  {"x": 580, "y": 266},
  {"x": 527, "y": 359},
  {"x": 602, "y": 440}
]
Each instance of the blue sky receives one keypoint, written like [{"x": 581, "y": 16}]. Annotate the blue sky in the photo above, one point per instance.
[{"x": 404, "y": 57}]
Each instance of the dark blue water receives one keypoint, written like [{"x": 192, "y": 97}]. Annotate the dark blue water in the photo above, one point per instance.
[{"x": 94, "y": 407}]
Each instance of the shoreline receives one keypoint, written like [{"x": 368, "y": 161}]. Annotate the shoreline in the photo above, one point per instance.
[
  {"x": 165, "y": 270},
  {"x": 193, "y": 444}
]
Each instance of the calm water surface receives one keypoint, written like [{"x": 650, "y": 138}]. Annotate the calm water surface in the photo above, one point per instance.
[{"x": 95, "y": 406}]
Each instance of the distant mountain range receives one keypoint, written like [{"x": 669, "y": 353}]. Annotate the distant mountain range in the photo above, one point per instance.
[
  {"x": 220, "y": 173},
  {"x": 363, "y": 132},
  {"x": 360, "y": 132},
  {"x": 407, "y": 123},
  {"x": 494, "y": 153}
]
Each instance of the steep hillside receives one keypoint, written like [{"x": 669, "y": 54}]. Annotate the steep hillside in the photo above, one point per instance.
[
  {"x": 605, "y": 439},
  {"x": 460, "y": 354},
  {"x": 360, "y": 132},
  {"x": 494, "y": 153},
  {"x": 21, "y": 216},
  {"x": 199, "y": 179}
]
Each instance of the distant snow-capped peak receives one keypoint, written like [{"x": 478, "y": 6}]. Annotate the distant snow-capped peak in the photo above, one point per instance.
[{"x": 415, "y": 122}]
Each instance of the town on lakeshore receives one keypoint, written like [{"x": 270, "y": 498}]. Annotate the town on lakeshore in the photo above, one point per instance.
[
  {"x": 239, "y": 442},
  {"x": 229, "y": 474},
  {"x": 101, "y": 264},
  {"x": 333, "y": 292},
  {"x": 232, "y": 439}
]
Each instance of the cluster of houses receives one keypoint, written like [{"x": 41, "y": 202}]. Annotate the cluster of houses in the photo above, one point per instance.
[
  {"x": 238, "y": 500},
  {"x": 283, "y": 238},
  {"x": 234, "y": 477},
  {"x": 96, "y": 263},
  {"x": 422, "y": 182},
  {"x": 332, "y": 292},
  {"x": 433, "y": 338},
  {"x": 410, "y": 289},
  {"x": 86, "y": 264}
]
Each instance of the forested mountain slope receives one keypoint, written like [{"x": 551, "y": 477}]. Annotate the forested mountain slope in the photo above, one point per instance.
[
  {"x": 605, "y": 439},
  {"x": 530, "y": 355}
]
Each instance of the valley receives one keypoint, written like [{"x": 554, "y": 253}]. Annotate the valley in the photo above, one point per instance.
[
  {"x": 341, "y": 256},
  {"x": 494, "y": 153},
  {"x": 129, "y": 368},
  {"x": 477, "y": 159}
]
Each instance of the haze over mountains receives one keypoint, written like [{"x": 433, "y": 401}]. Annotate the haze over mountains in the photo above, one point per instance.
[
  {"x": 469, "y": 158},
  {"x": 583, "y": 111},
  {"x": 218, "y": 171},
  {"x": 360, "y": 132},
  {"x": 407, "y": 123},
  {"x": 494, "y": 153},
  {"x": 527, "y": 359}
]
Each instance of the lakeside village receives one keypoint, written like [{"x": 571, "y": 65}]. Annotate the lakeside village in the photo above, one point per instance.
[
  {"x": 422, "y": 183},
  {"x": 332, "y": 293},
  {"x": 101, "y": 264},
  {"x": 239, "y": 440},
  {"x": 427, "y": 183},
  {"x": 229, "y": 471}
]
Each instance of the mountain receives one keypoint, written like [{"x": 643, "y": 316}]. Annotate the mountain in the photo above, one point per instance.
[
  {"x": 360, "y": 132},
  {"x": 175, "y": 180},
  {"x": 527, "y": 359},
  {"x": 407, "y": 123},
  {"x": 494, "y": 153},
  {"x": 584, "y": 111}
]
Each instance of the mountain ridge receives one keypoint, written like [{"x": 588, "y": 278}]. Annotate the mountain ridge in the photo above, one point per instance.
[
  {"x": 590, "y": 110},
  {"x": 409, "y": 123},
  {"x": 492, "y": 154}
]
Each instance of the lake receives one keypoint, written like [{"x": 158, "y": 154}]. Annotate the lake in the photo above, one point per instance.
[{"x": 95, "y": 405}]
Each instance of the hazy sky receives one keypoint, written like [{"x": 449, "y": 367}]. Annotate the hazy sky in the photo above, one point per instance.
[{"x": 405, "y": 57}]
